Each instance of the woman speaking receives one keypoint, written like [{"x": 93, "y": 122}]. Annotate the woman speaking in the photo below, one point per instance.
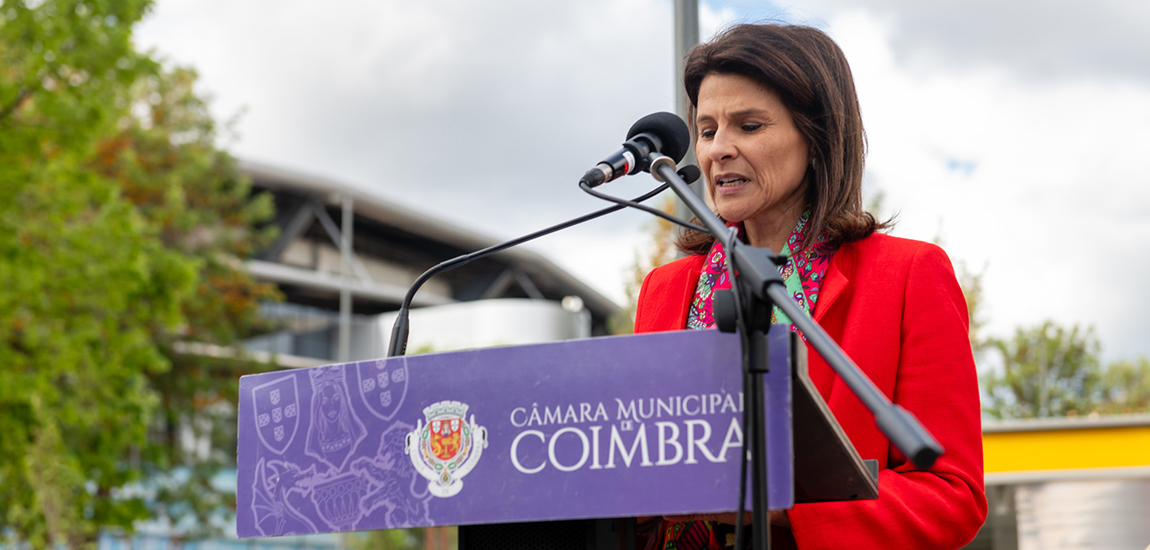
[{"x": 779, "y": 138}]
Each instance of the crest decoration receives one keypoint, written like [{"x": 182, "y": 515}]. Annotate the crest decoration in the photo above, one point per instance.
[
  {"x": 382, "y": 384},
  {"x": 446, "y": 448},
  {"x": 275, "y": 408}
]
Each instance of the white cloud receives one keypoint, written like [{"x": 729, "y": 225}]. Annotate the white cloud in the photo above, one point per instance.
[
  {"x": 1042, "y": 182},
  {"x": 1041, "y": 40},
  {"x": 712, "y": 20},
  {"x": 1013, "y": 130},
  {"x": 483, "y": 113}
]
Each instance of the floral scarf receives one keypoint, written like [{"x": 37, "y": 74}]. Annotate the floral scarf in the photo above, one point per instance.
[{"x": 803, "y": 275}]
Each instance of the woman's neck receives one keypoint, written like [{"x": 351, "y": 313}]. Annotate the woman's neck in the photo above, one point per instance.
[{"x": 772, "y": 231}]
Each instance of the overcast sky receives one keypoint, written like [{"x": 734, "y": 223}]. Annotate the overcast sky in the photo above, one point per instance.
[{"x": 1016, "y": 132}]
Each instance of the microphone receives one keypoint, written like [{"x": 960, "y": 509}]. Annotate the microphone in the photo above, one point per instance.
[{"x": 663, "y": 132}]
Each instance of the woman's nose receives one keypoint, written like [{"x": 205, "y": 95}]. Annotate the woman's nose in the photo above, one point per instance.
[{"x": 722, "y": 147}]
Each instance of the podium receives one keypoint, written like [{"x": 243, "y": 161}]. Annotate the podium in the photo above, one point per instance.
[{"x": 553, "y": 442}]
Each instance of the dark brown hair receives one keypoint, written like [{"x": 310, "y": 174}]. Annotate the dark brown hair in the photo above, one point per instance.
[{"x": 811, "y": 75}]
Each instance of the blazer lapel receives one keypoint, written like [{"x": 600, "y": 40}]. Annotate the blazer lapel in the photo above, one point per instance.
[
  {"x": 835, "y": 281},
  {"x": 687, "y": 291}
]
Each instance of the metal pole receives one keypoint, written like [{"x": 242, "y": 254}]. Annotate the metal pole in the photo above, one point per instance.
[
  {"x": 686, "y": 37},
  {"x": 345, "y": 252}
]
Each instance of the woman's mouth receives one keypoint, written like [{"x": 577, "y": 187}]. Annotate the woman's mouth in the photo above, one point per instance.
[{"x": 731, "y": 181}]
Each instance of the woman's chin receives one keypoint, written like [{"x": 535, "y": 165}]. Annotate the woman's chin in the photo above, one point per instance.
[{"x": 733, "y": 215}]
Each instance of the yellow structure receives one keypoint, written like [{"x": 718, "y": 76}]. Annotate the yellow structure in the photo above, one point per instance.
[
  {"x": 1045, "y": 449},
  {"x": 1066, "y": 484}
]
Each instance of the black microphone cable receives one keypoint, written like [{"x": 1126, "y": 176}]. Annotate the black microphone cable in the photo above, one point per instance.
[
  {"x": 689, "y": 173},
  {"x": 399, "y": 331}
]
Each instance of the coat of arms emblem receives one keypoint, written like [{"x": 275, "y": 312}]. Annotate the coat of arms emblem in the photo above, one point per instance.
[
  {"x": 277, "y": 412},
  {"x": 383, "y": 385},
  {"x": 446, "y": 448}
]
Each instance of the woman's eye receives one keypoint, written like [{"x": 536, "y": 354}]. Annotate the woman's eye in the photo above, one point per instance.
[
  {"x": 707, "y": 134},
  {"x": 751, "y": 127}
]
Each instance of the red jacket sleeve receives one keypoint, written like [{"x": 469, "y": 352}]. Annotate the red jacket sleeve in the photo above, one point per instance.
[
  {"x": 930, "y": 372},
  {"x": 665, "y": 297}
]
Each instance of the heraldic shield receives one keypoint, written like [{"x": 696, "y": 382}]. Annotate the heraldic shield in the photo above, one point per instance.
[
  {"x": 383, "y": 385},
  {"x": 447, "y": 447},
  {"x": 276, "y": 406}
]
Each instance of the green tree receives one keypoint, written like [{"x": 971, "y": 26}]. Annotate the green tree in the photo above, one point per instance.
[
  {"x": 402, "y": 539},
  {"x": 1048, "y": 370},
  {"x": 1126, "y": 387},
  {"x": 166, "y": 163},
  {"x": 121, "y": 224}
]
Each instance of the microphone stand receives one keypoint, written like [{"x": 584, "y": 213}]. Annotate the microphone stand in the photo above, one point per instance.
[
  {"x": 756, "y": 287},
  {"x": 398, "y": 344}
]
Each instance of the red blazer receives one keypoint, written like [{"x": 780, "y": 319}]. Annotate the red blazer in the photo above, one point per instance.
[{"x": 895, "y": 307}]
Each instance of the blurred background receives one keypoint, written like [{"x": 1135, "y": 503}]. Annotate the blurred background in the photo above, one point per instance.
[{"x": 195, "y": 190}]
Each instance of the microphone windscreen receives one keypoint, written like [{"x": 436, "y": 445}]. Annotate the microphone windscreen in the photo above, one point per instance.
[
  {"x": 690, "y": 173},
  {"x": 670, "y": 129}
]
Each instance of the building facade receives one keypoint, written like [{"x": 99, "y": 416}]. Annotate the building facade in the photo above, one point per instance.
[{"x": 333, "y": 288}]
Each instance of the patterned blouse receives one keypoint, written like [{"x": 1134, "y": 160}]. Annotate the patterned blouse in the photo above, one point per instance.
[{"x": 803, "y": 274}]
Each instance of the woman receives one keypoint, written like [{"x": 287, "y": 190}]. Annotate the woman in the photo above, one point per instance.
[{"x": 779, "y": 138}]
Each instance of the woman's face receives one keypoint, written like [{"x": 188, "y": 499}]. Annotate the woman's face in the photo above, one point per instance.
[
  {"x": 331, "y": 403},
  {"x": 753, "y": 157}
]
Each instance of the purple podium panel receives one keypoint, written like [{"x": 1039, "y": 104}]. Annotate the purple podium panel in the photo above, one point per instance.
[{"x": 605, "y": 427}]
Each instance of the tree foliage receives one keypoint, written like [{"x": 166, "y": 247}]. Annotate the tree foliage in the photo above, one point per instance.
[
  {"x": 404, "y": 539},
  {"x": 1126, "y": 387},
  {"x": 1050, "y": 370},
  {"x": 121, "y": 225}
]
